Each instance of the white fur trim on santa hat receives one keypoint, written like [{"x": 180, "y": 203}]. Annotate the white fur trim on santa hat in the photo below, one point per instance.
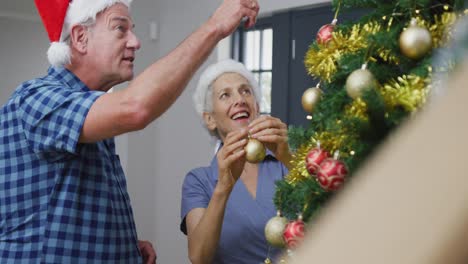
[
  {"x": 211, "y": 73},
  {"x": 79, "y": 11}
]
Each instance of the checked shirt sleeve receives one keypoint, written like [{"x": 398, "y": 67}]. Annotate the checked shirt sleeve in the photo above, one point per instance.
[{"x": 52, "y": 118}]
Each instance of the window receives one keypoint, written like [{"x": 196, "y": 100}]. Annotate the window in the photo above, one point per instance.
[
  {"x": 254, "y": 47},
  {"x": 274, "y": 51}
]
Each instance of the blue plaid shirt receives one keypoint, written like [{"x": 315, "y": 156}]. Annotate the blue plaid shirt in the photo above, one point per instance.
[{"x": 60, "y": 201}]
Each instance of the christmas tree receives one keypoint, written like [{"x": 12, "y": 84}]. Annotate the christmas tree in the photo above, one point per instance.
[{"x": 373, "y": 75}]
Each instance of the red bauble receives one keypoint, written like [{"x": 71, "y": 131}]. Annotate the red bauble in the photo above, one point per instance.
[
  {"x": 314, "y": 158},
  {"x": 331, "y": 174},
  {"x": 294, "y": 233},
  {"x": 324, "y": 34}
]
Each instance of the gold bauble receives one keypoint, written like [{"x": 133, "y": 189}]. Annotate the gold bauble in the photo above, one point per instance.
[
  {"x": 360, "y": 81},
  {"x": 310, "y": 99},
  {"x": 274, "y": 230},
  {"x": 254, "y": 151},
  {"x": 415, "y": 41}
]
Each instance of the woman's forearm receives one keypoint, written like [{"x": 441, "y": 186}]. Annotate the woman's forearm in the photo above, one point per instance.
[{"x": 203, "y": 240}]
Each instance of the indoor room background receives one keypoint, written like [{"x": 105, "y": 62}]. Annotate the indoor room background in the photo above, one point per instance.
[{"x": 157, "y": 158}]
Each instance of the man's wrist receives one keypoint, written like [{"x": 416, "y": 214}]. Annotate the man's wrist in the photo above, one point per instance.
[{"x": 213, "y": 29}]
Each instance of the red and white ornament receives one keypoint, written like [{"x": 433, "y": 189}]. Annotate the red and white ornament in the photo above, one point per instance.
[
  {"x": 314, "y": 158},
  {"x": 331, "y": 174},
  {"x": 294, "y": 233},
  {"x": 324, "y": 34}
]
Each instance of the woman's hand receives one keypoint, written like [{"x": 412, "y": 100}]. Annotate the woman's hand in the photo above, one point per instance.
[
  {"x": 274, "y": 134},
  {"x": 231, "y": 159}
]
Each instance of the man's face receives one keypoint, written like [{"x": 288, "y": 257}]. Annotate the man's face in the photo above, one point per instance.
[{"x": 112, "y": 45}]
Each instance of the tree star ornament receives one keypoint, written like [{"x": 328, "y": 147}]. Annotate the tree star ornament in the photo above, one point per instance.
[
  {"x": 274, "y": 230},
  {"x": 324, "y": 34},
  {"x": 415, "y": 41},
  {"x": 310, "y": 98},
  {"x": 359, "y": 81},
  {"x": 255, "y": 151}
]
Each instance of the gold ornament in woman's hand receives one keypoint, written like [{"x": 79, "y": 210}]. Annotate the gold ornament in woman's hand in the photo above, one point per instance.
[{"x": 254, "y": 151}]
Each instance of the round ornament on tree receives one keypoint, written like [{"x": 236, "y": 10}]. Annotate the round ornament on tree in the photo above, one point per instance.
[
  {"x": 331, "y": 174},
  {"x": 324, "y": 34},
  {"x": 310, "y": 98},
  {"x": 294, "y": 233},
  {"x": 415, "y": 41},
  {"x": 314, "y": 158},
  {"x": 359, "y": 81},
  {"x": 255, "y": 151},
  {"x": 274, "y": 230}
]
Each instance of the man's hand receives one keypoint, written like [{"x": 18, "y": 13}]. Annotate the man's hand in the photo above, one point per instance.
[
  {"x": 147, "y": 251},
  {"x": 230, "y": 13}
]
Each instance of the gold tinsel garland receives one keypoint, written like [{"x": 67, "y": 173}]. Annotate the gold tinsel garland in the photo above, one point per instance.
[
  {"x": 440, "y": 30},
  {"x": 388, "y": 56},
  {"x": 357, "y": 108},
  {"x": 321, "y": 60},
  {"x": 299, "y": 172},
  {"x": 407, "y": 91},
  {"x": 330, "y": 142}
]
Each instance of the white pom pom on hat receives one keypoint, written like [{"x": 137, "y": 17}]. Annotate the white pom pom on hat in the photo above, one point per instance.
[
  {"x": 58, "y": 54},
  {"x": 58, "y": 16},
  {"x": 212, "y": 72}
]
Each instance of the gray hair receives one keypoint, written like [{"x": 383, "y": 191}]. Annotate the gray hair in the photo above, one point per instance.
[{"x": 204, "y": 88}]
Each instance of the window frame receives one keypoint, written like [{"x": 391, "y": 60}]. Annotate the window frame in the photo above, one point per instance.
[{"x": 238, "y": 47}]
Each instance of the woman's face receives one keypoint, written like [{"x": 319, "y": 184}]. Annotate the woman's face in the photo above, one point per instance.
[{"x": 234, "y": 104}]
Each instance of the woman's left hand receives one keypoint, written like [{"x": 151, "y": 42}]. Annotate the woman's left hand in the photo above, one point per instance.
[{"x": 274, "y": 134}]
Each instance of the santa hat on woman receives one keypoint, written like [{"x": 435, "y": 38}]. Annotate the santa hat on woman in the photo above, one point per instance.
[{"x": 59, "y": 16}]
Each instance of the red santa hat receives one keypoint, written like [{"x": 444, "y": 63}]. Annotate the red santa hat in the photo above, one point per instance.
[{"x": 59, "y": 16}]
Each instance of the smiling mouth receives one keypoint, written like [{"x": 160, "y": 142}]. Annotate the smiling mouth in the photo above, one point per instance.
[
  {"x": 240, "y": 116},
  {"x": 129, "y": 59}
]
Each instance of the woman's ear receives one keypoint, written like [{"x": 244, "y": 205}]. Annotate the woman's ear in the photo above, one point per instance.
[
  {"x": 209, "y": 121},
  {"x": 79, "y": 38},
  {"x": 258, "y": 108}
]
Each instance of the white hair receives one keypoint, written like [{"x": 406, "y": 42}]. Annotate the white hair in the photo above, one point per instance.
[
  {"x": 79, "y": 12},
  {"x": 202, "y": 97}
]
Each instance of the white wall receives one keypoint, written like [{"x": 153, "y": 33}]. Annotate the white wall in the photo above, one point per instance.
[
  {"x": 157, "y": 158},
  {"x": 20, "y": 57},
  {"x": 181, "y": 142}
]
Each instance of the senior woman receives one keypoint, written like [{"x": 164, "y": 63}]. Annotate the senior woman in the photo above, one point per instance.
[{"x": 226, "y": 205}]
